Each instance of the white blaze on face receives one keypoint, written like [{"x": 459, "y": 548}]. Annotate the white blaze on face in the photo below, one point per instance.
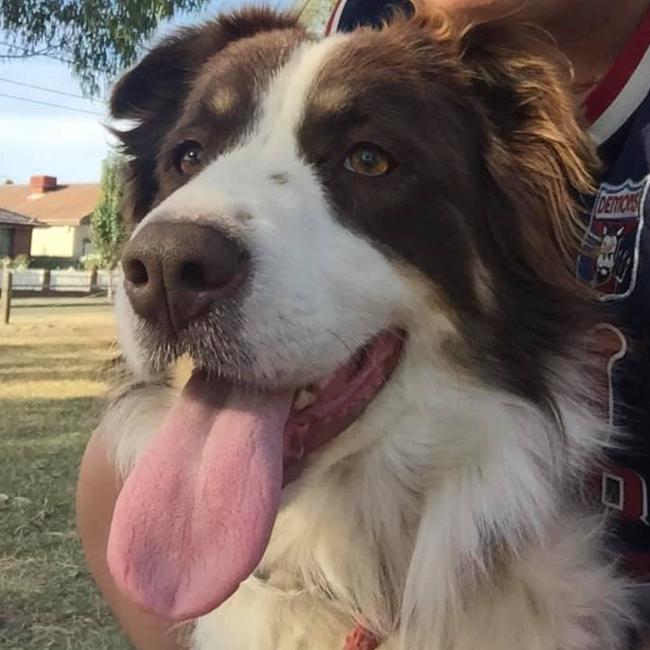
[{"x": 318, "y": 291}]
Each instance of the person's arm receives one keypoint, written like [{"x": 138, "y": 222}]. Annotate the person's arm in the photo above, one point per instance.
[{"x": 97, "y": 492}]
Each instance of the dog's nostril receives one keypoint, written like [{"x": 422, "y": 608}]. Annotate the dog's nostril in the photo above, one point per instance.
[
  {"x": 136, "y": 272},
  {"x": 192, "y": 276}
]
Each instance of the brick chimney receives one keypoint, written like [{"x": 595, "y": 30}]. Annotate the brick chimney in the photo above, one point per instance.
[{"x": 42, "y": 184}]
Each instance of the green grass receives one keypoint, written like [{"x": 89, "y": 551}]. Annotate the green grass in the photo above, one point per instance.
[{"x": 51, "y": 360}]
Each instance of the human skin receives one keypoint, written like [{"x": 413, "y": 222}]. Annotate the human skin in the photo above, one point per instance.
[
  {"x": 591, "y": 33},
  {"x": 97, "y": 491}
]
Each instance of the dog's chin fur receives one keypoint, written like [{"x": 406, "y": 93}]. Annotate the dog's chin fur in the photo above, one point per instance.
[{"x": 450, "y": 515}]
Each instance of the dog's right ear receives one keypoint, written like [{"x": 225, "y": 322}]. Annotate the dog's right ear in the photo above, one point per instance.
[{"x": 151, "y": 94}]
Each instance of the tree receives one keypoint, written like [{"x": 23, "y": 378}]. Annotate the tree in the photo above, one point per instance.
[
  {"x": 317, "y": 12},
  {"x": 108, "y": 232},
  {"x": 96, "y": 38},
  {"x": 99, "y": 38}
]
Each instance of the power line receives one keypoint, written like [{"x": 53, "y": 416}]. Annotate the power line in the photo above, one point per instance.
[
  {"x": 36, "y": 101},
  {"x": 29, "y": 52},
  {"x": 44, "y": 89}
]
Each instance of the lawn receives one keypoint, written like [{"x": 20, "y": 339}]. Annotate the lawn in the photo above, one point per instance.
[{"x": 52, "y": 364}]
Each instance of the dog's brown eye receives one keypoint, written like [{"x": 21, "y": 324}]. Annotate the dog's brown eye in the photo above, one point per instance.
[
  {"x": 369, "y": 160},
  {"x": 188, "y": 157}
]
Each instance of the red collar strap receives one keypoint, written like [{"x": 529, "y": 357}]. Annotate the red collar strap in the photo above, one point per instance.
[
  {"x": 361, "y": 639},
  {"x": 620, "y": 72}
]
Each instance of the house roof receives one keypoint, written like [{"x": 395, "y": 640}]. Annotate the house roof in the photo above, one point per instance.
[
  {"x": 65, "y": 205},
  {"x": 8, "y": 218}
]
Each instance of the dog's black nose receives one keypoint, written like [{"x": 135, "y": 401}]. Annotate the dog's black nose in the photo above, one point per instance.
[{"x": 174, "y": 272}]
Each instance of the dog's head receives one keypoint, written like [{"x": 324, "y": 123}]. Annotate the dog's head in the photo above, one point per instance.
[{"x": 303, "y": 213}]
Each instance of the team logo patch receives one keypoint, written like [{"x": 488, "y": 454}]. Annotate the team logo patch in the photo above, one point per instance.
[{"x": 611, "y": 260}]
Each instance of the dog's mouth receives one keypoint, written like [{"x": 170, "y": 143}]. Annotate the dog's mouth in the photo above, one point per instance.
[{"x": 196, "y": 513}]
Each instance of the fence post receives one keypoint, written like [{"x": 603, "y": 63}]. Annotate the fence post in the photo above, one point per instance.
[
  {"x": 93, "y": 280},
  {"x": 47, "y": 281},
  {"x": 5, "y": 298}
]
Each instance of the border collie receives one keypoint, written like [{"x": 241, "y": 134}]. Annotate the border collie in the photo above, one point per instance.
[{"x": 361, "y": 244}]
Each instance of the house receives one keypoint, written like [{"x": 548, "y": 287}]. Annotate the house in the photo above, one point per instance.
[
  {"x": 16, "y": 232},
  {"x": 64, "y": 209}
]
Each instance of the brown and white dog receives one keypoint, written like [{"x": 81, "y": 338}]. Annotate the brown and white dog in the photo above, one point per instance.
[{"x": 361, "y": 243}]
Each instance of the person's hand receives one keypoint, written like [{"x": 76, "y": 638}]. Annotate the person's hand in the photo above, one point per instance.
[{"x": 97, "y": 492}]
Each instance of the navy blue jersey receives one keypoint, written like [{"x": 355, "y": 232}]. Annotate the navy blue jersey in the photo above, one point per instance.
[
  {"x": 352, "y": 13},
  {"x": 619, "y": 233}
]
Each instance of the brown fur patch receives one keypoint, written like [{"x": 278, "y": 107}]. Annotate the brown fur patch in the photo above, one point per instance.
[{"x": 488, "y": 161}]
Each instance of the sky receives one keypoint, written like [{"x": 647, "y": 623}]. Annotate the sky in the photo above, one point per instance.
[{"x": 68, "y": 144}]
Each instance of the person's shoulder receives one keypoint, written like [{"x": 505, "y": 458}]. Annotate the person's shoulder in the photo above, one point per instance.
[
  {"x": 350, "y": 14},
  {"x": 618, "y": 103}
]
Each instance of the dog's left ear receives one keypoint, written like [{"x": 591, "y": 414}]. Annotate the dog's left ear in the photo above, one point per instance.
[
  {"x": 165, "y": 73},
  {"x": 151, "y": 94},
  {"x": 539, "y": 156}
]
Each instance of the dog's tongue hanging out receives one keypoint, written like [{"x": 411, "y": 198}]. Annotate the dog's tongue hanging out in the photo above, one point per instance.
[{"x": 195, "y": 515}]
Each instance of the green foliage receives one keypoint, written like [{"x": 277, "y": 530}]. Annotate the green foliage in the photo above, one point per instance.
[
  {"x": 20, "y": 261},
  {"x": 97, "y": 38},
  {"x": 106, "y": 225},
  {"x": 91, "y": 261},
  {"x": 100, "y": 38},
  {"x": 317, "y": 12},
  {"x": 51, "y": 263}
]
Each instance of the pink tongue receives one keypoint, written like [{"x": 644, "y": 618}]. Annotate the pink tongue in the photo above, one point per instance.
[{"x": 195, "y": 515}]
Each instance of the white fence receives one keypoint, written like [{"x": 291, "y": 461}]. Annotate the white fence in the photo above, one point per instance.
[{"x": 70, "y": 281}]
